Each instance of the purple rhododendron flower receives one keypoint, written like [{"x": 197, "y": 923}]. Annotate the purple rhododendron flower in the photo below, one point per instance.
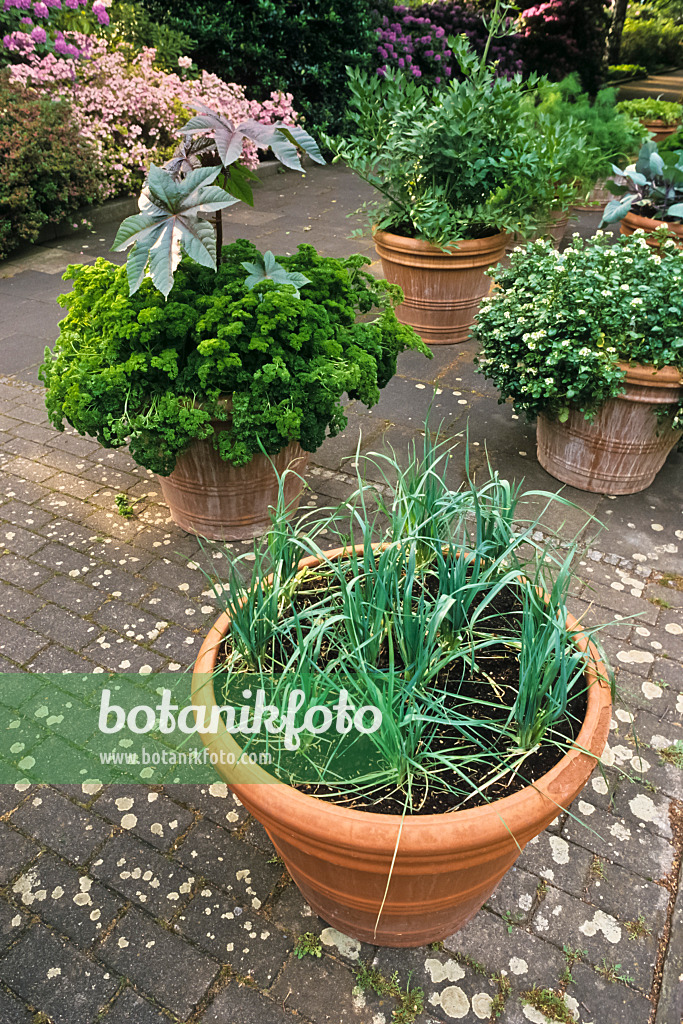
[
  {"x": 40, "y": 10},
  {"x": 39, "y": 35},
  {"x": 61, "y": 46}
]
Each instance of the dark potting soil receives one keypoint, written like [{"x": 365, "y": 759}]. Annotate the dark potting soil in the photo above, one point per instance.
[{"x": 495, "y": 677}]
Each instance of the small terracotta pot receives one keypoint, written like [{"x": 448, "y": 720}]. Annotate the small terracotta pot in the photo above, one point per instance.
[
  {"x": 212, "y": 498},
  {"x": 661, "y": 130},
  {"x": 624, "y": 447},
  {"x": 446, "y": 865},
  {"x": 442, "y": 289},
  {"x": 596, "y": 201},
  {"x": 632, "y": 221}
]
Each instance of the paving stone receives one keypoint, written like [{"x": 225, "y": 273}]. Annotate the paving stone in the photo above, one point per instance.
[
  {"x": 17, "y": 851},
  {"x": 515, "y": 895},
  {"x": 177, "y": 645},
  {"x": 650, "y": 810},
  {"x": 56, "y": 979},
  {"x": 19, "y": 643},
  {"x": 25, "y": 469},
  {"x": 173, "y": 575},
  {"x": 119, "y": 584},
  {"x": 161, "y": 964},
  {"x": 451, "y": 990},
  {"x": 617, "y": 840},
  {"x": 19, "y": 541},
  {"x": 554, "y": 859},
  {"x": 57, "y": 823},
  {"x": 232, "y": 864},
  {"x": 242, "y": 938},
  {"x": 16, "y": 603},
  {"x": 11, "y": 923},
  {"x": 70, "y": 901},
  {"x": 60, "y": 625},
  {"x": 19, "y": 513},
  {"x": 12, "y": 1011},
  {"x": 23, "y": 446},
  {"x": 56, "y": 659},
  {"x": 144, "y": 876},
  {"x": 292, "y": 913},
  {"x": 241, "y": 1004},
  {"x": 11, "y": 797},
  {"x": 69, "y": 594},
  {"x": 118, "y": 653},
  {"x": 61, "y": 558},
  {"x": 604, "y": 1002},
  {"x": 21, "y": 573},
  {"x": 620, "y": 601},
  {"x": 180, "y": 607},
  {"x": 18, "y": 688},
  {"x": 562, "y": 919},
  {"x": 159, "y": 821},
  {"x": 215, "y": 801},
  {"x": 325, "y": 993},
  {"x": 129, "y": 1008},
  {"x": 256, "y": 834},
  {"x": 626, "y": 895},
  {"x": 67, "y": 532},
  {"x": 129, "y": 621},
  {"x": 525, "y": 958}
]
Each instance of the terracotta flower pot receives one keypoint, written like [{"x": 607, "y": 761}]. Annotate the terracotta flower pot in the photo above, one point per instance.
[
  {"x": 632, "y": 221},
  {"x": 442, "y": 289},
  {"x": 212, "y": 498},
  {"x": 446, "y": 865},
  {"x": 661, "y": 130},
  {"x": 596, "y": 201},
  {"x": 624, "y": 447}
]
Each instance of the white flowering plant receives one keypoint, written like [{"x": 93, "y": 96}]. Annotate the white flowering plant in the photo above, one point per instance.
[{"x": 556, "y": 325}]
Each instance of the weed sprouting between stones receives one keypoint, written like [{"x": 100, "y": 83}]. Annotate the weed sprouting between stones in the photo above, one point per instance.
[{"x": 308, "y": 944}]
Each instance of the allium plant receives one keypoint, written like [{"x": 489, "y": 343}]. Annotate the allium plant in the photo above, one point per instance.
[
  {"x": 130, "y": 112},
  {"x": 65, "y": 28}
]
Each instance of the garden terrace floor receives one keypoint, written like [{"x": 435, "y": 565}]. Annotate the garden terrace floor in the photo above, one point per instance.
[{"x": 82, "y": 588}]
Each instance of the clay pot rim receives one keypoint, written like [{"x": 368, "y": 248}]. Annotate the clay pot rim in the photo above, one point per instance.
[
  {"x": 490, "y": 823},
  {"x": 419, "y": 245},
  {"x": 658, "y": 123},
  {"x": 651, "y": 224},
  {"x": 645, "y": 374}
]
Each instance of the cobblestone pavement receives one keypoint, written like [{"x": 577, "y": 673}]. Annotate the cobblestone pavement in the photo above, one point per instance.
[{"x": 153, "y": 905}]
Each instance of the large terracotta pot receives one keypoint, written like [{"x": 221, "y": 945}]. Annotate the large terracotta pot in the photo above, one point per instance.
[
  {"x": 446, "y": 865},
  {"x": 596, "y": 201},
  {"x": 631, "y": 222},
  {"x": 442, "y": 289},
  {"x": 212, "y": 498},
  {"x": 624, "y": 447},
  {"x": 660, "y": 129}
]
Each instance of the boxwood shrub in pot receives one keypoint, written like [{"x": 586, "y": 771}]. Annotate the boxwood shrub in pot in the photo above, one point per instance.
[
  {"x": 212, "y": 364},
  {"x": 591, "y": 343},
  {"x": 422, "y": 698},
  {"x": 457, "y": 168}
]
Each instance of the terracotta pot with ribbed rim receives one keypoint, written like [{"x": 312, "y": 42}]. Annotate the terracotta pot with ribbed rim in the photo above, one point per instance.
[
  {"x": 596, "y": 201},
  {"x": 446, "y": 865},
  {"x": 661, "y": 130},
  {"x": 624, "y": 447},
  {"x": 632, "y": 221},
  {"x": 212, "y": 498},
  {"x": 442, "y": 289}
]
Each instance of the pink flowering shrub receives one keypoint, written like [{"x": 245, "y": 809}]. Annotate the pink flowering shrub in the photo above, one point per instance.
[
  {"x": 130, "y": 111},
  {"x": 41, "y": 27}
]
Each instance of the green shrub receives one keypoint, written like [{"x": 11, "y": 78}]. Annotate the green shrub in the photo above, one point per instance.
[
  {"x": 47, "y": 170},
  {"x": 141, "y": 370},
  {"x": 619, "y": 72},
  {"x": 130, "y": 23},
  {"x": 652, "y": 43},
  {"x": 298, "y": 46}
]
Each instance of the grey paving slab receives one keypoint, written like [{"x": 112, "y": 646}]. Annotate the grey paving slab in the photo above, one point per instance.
[
  {"x": 159, "y": 963},
  {"x": 70, "y": 901},
  {"x": 247, "y": 875},
  {"x": 130, "y": 1008},
  {"x": 55, "y": 978},
  {"x": 244, "y": 939},
  {"x": 12, "y": 1011},
  {"x": 241, "y": 1004},
  {"x": 214, "y": 801},
  {"x": 56, "y": 822},
  {"x": 12, "y": 921},
  {"x": 159, "y": 821},
  {"x": 142, "y": 875}
]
